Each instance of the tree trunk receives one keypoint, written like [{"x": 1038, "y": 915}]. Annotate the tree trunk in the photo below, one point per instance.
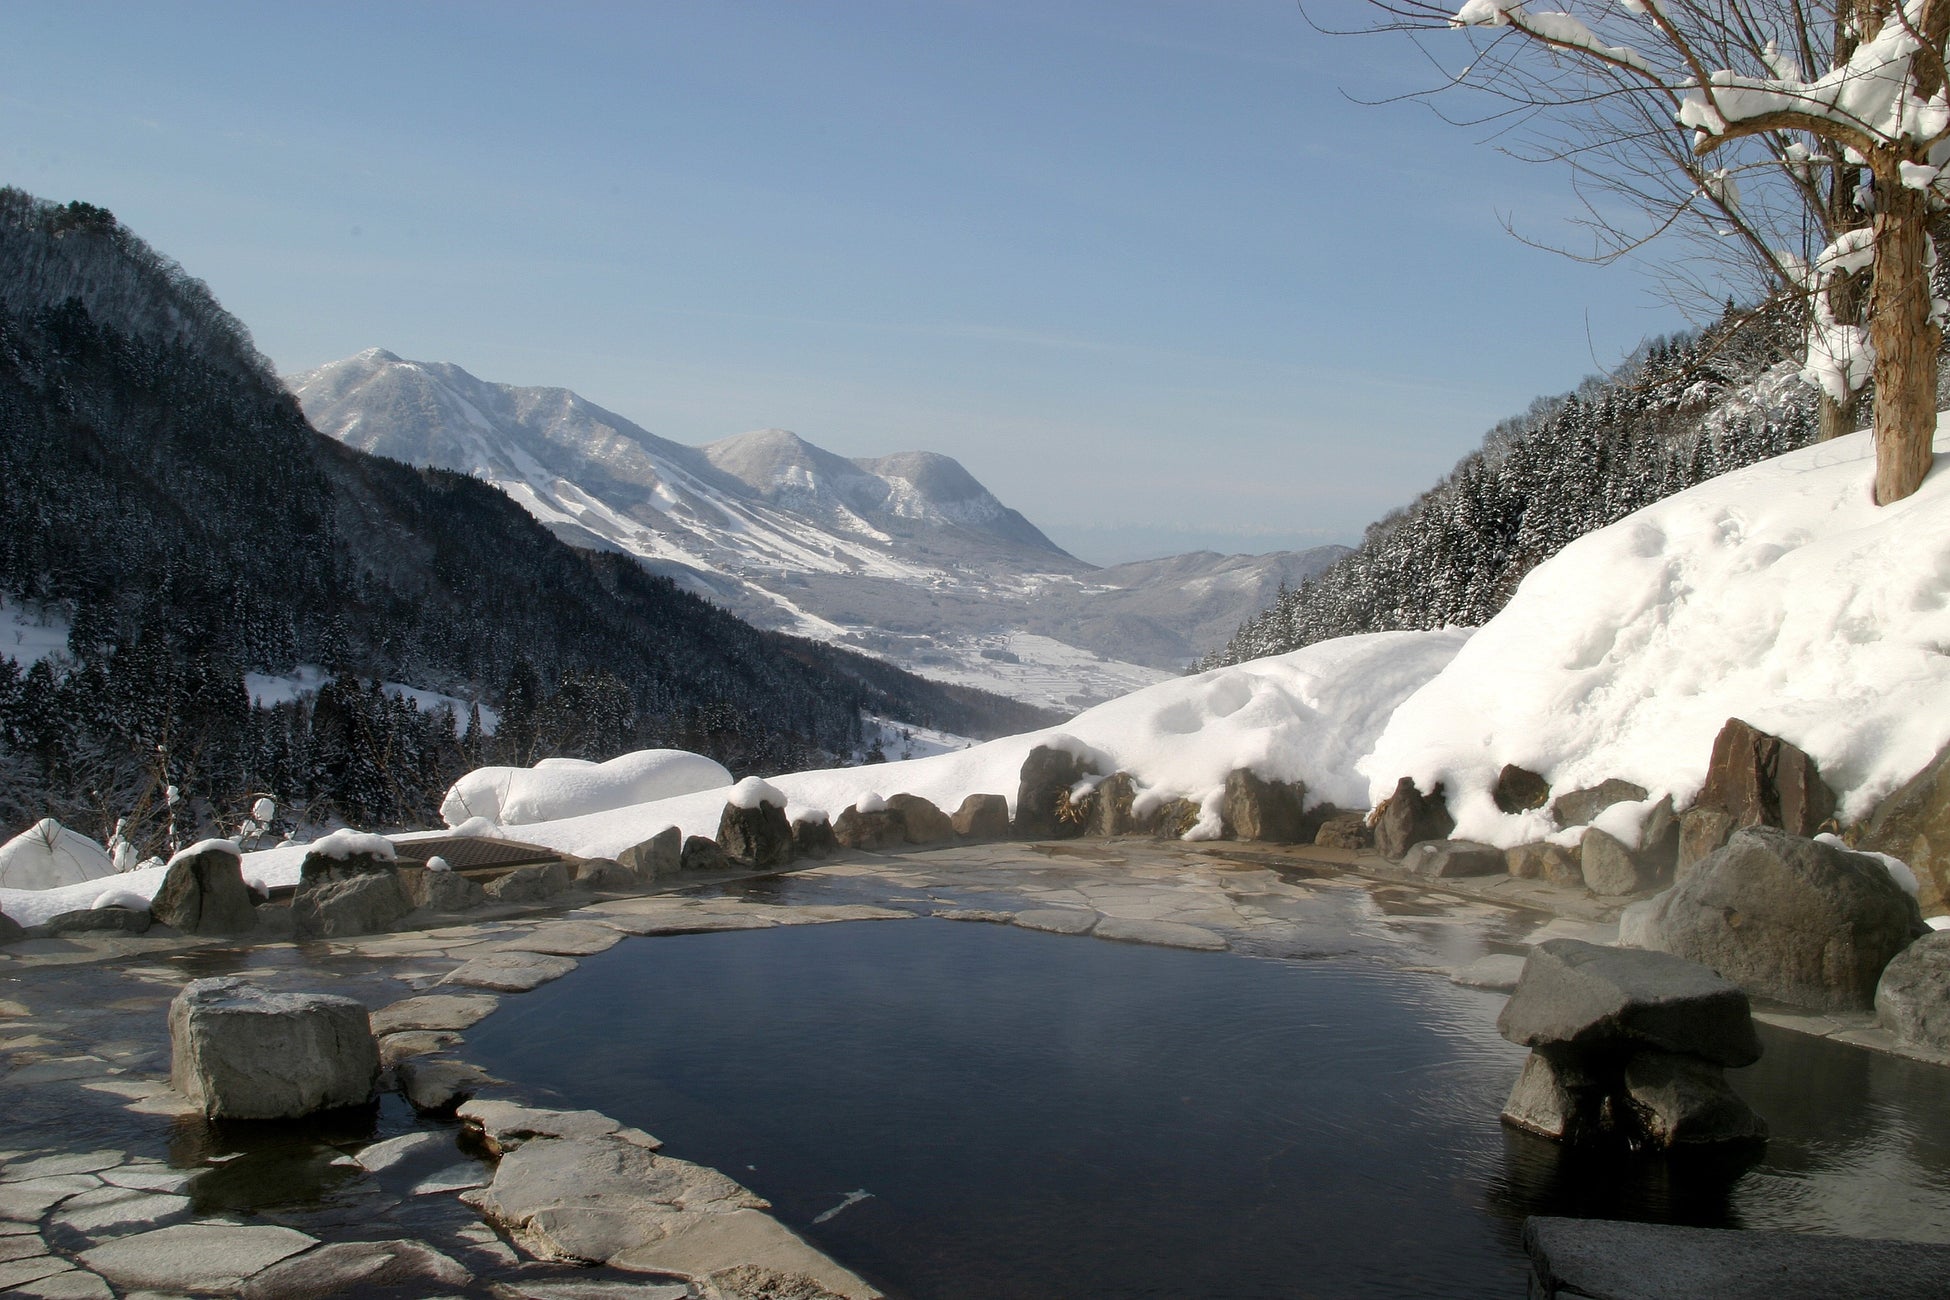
[
  {"x": 1905, "y": 340},
  {"x": 1835, "y": 418}
]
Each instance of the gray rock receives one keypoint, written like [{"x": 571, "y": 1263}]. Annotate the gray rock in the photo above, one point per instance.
[
  {"x": 564, "y": 939},
  {"x": 921, "y": 821},
  {"x": 1519, "y": 789},
  {"x": 74, "y": 1284},
  {"x": 1555, "y": 1097},
  {"x": 1170, "y": 820},
  {"x": 358, "y": 1268},
  {"x": 1762, "y": 780},
  {"x": 1057, "y": 920},
  {"x": 1579, "y": 806},
  {"x": 96, "y": 920},
  {"x": 1161, "y": 934},
  {"x": 1497, "y": 971},
  {"x": 1658, "y": 851},
  {"x": 1348, "y": 831},
  {"x": 1608, "y": 1260},
  {"x": 1681, "y": 1101},
  {"x": 1408, "y": 817},
  {"x": 114, "y": 1211},
  {"x": 871, "y": 832},
  {"x": 1541, "y": 860},
  {"x": 438, "y": 891},
  {"x": 10, "y": 929},
  {"x": 657, "y": 858},
  {"x": 813, "y": 838},
  {"x": 1271, "y": 811},
  {"x": 1702, "y": 832},
  {"x": 1787, "y": 918},
  {"x": 450, "y": 1011},
  {"x": 530, "y": 884},
  {"x": 1913, "y": 997},
  {"x": 983, "y": 817},
  {"x": 510, "y": 972},
  {"x": 200, "y": 1257},
  {"x": 364, "y": 903},
  {"x": 1454, "y": 859},
  {"x": 204, "y": 893},
  {"x": 1112, "y": 807},
  {"x": 1582, "y": 994},
  {"x": 437, "y": 1084},
  {"x": 238, "y": 1051},
  {"x": 761, "y": 835},
  {"x": 1043, "y": 808},
  {"x": 1914, "y": 824},
  {"x": 607, "y": 876},
  {"x": 505, "y": 1125},
  {"x": 330, "y": 866},
  {"x": 701, "y": 854},
  {"x": 1609, "y": 868}
]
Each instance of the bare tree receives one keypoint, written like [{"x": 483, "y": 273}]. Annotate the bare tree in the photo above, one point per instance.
[{"x": 1796, "y": 143}]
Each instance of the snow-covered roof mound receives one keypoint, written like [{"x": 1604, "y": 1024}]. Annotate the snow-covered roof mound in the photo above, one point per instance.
[
  {"x": 1304, "y": 716},
  {"x": 48, "y": 856},
  {"x": 1778, "y": 594},
  {"x": 566, "y": 787}
]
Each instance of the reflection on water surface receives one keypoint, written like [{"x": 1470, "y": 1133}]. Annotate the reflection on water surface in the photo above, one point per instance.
[{"x": 1031, "y": 1115}]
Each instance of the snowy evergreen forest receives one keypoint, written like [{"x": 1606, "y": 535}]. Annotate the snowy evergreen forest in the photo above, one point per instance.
[
  {"x": 166, "y": 499},
  {"x": 1679, "y": 412}
]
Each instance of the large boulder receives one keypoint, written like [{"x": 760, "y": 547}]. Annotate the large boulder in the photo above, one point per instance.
[
  {"x": 1612, "y": 868},
  {"x": 1454, "y": 859},
  {"x": 983, "y": 817},
  {"x": 1579, "y": 806},
  {"x": 337, "y": 909},
  {"x": 921, "y": 821},
  {"x": 812, "y": 836},
  {"x": 238, "y": 1051},
  {"x": 1762, "y": 780},
  {"x": 96, "y": 920},
  {"x": 1584, "y": 995},
  {"x": 1171, "y": 819},
  {"x": 1408, "y": 817},
  {"x": 657, "y": 858},
  {"x": 1348, "y": 831},
  {"x": 871, "y": 826},
  {"x": 1702, "y": 833},
  {"x": 1112, "y": 807},
  {"x": 10, "y": 929},
  {"x": 439, "y": 891},
  {"x": 345, "y": 854},
  {"x": 1043, "y": 807},
  {"x": 1914, "y": 824},
  {"x": 753, "y": 825},
  {"x": 701, "y": 854},
  {"x": 1541, "y": 860},
  {"x": 1518, "y": 789},
  {"x": 1258, "y": 809},
  {"x": 203, "y": 891},
  {"x": 1913, "y": 996},
  {"x": 529, "y": 884},
  {"x": 1798, "y": 920}
]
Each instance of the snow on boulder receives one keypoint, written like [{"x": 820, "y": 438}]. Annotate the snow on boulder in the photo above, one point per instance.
[
  {"x": 1778, "y": 594},
  {"x": 346, "y": 843},
  {"x": 751, "y": 792},
  {"x": 558, "y": 788},
  {"x": 50, "y": 856}
]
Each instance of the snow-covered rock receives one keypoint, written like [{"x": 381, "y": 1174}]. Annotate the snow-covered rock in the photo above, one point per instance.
[{"x": 558, "y": 788}]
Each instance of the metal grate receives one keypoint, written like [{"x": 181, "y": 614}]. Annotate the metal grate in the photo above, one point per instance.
[{"x": 471, "y": 853}]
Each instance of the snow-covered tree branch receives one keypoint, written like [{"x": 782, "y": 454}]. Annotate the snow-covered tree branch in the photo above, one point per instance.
[{"x": 1800, "y": 144}]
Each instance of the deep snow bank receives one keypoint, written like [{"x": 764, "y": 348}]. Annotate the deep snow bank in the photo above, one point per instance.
[
  {"x": 1304, "y": 716},
  {"x": 1778, "y": 593},
  {"x": 571, "y": 787}
]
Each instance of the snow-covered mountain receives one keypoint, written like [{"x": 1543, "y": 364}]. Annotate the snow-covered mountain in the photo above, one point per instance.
[{"x": 906, "y": 556}]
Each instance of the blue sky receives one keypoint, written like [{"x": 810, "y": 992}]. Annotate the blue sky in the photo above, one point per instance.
[{"x": 1144, "y": 267}]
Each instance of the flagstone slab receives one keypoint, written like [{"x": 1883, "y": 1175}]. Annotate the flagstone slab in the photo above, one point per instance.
[{"x": 195, "y": 1256}]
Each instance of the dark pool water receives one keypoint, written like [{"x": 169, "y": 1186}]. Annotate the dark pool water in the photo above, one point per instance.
[{"x": 1034, "y": 1116}]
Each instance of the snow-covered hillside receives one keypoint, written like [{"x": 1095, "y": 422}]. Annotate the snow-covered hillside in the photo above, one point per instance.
[{"x": 905, "y": 556}]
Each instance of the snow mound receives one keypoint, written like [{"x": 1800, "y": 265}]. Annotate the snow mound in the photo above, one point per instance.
[
  {"x": 50, "y": 856},
  {"x": 556, "y": 787},
  {"x": 123, "y": 898},
  {"x": 751, "y": 793},
  {"x": 1304, "y": 716},
  {"x": 222, "y": 846},
  {"x": 1778, "y": 594}
]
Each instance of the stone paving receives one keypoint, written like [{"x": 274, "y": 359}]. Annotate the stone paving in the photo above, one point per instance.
[{"x": 112, "y": 1185}]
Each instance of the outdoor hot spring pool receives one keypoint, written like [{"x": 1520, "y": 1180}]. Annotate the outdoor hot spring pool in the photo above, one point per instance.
[{"x": 957, "y": 1110}]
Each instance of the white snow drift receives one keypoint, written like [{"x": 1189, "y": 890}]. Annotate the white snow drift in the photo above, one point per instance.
[
  {"x": 570, "y": 787},
  {"x": 1778, "y": 594}
]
